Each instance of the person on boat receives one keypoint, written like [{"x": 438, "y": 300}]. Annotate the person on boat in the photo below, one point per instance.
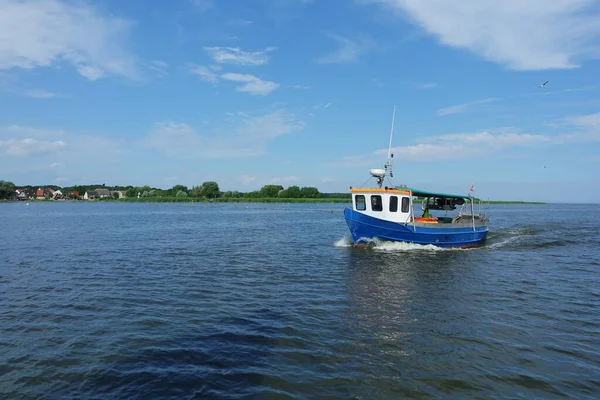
[{"x": 426, "y": 213}]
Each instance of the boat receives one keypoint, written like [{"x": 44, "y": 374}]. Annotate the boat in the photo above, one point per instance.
[{"x": 387, "y": 213}]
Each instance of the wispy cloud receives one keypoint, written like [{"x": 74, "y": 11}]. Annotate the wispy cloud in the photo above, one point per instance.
[
  {"x": 247, "y": 179},
  {"x": 23, "y": 141},
  {"x": 577, "y": 129},
  {"x": 423, "y": 85},
  {"x": 205, "y": 73},
  {"x": 349, "y": 50},
  {"x": 519, "y": 34},
  {"x": 247, "y": 138},
  {"x": 46, "y": 32},
  {"x": 30, "y": 131},
  {"x": 29, "y": 146},
  {"x": 449, "y": 147},
  {"x": 285, "y": 179},
  {"x": 303, "y": 87},
  {"x": 159, "y": 67},
  {"x": 460, "y": 108},
  {"x": 239, "y": 22},
  {"x": 585, "y": 121},
  {"x": 235, "y": 55},
  {"x": 251, "y": 84},
  {"x": 202, "y": 5},
  {"x": 41, "y": 94}
]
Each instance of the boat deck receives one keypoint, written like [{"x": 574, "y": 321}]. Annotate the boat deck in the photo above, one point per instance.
[{"x": 462, "y": 221}]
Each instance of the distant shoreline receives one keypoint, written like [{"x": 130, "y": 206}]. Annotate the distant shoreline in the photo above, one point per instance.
[{"x": 239, "y": 200}]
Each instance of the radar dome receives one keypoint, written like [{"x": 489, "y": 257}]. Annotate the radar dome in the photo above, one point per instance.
[{"x": 377, "y": 172}]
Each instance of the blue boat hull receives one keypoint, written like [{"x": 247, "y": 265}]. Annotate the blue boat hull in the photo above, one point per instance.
[{"x": 364, "y": 228}]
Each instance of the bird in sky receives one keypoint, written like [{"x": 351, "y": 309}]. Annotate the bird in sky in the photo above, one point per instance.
[{"x": 543, "y": 84}]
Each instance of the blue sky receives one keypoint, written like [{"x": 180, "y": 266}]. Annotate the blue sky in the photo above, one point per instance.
[{"x": 301, "y": 92}]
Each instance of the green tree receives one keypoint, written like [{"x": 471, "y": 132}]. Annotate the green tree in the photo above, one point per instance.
[
  {"x": 293, "y": 192},
  {"x": 115, "y": 195},
  {"x": 270, "y": 190},
  {"x": 310, "y": 192},
  {"x": 176, "y": 189},
  {"x": 196, "y": 191},
  {"x": 181, "y": 193},
  {"x": 210, "y": 190},
  {"x": 252, "y": 195},
  {"x": 7, "y": 189}
]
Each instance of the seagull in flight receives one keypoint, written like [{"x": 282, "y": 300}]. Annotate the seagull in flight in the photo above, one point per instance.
[{"x": 543, "y": 84}]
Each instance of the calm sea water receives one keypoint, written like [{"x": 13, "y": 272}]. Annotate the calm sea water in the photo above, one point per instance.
[{"x": 230, "y": 301}]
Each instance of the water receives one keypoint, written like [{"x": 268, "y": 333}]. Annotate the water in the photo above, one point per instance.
[{"x": 266, "y": 301}]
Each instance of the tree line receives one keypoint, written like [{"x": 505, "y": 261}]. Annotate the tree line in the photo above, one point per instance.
[{"x": 208, "y": 190}]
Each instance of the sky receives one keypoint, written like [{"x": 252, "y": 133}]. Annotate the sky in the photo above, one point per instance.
[{"x": 301, "y": 92}]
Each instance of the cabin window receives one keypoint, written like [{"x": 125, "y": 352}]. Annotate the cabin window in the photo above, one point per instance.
[
  {"x": 405, "y": 204},
  {"x": 360, "y": 202},
  {"x": 376, "y": 204},
  {"x": 393, "y": 203}
]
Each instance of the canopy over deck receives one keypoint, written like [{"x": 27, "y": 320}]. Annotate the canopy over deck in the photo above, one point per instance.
[{"x": 423, "y": 193}]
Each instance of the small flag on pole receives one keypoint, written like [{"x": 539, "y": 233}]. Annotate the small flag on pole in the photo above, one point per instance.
[{"x": 470, "y": 190}]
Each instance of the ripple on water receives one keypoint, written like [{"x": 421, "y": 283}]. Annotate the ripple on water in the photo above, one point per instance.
[{"x": 226, "y": 301}]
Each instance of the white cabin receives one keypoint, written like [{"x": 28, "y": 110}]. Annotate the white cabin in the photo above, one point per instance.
[{"x": 387, "y": 204}]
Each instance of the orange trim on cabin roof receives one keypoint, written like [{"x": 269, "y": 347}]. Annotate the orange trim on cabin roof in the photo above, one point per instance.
[{"x": 362, "y": 190}]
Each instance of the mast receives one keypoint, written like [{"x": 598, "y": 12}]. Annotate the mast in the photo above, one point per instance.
[
  {"x": 380, "y": 174},
  {"x": 390, "y": 155}
]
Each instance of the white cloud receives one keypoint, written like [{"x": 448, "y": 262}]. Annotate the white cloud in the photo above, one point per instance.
[
  {"x": 23, "y": 141},
  {"x": 247, "y": 179},
  {"x": 461, "y": 146},
  {"x": 92, "y": 73},
  {"x": 248, "y": 137},
  {"x": 41, "y": 94},
  {"x": 349, "y": 50},
  {"x": 298, "y": 87},
  {"x": 42, "y": 33},
  {"x": 425, "y": 85},
  {"x": 586, "y": 121},
  {"x": 202, "y": 5},
  {"x": 269, "y": 126},
  {"x": 460, "y": 108},
  {"x": 29, "y": 131},
  {"x": 253, "y": 85},
  {"x": 159, "y": 67},
  {"x": 29, "y": 146},
  {"x": 205, "y": 73},
  {"x": 239, "y": 22},
  {"x": 453, "y": 147},
  {"x": 235, "y": 55},
  {"x": 285, "y": 179},
  {"x": 519, "y": 34}
]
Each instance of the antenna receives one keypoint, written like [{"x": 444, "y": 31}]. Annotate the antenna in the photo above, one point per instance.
[
  {"x": 392, "y": 134},
  {"x": 390, "y": 156}
]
